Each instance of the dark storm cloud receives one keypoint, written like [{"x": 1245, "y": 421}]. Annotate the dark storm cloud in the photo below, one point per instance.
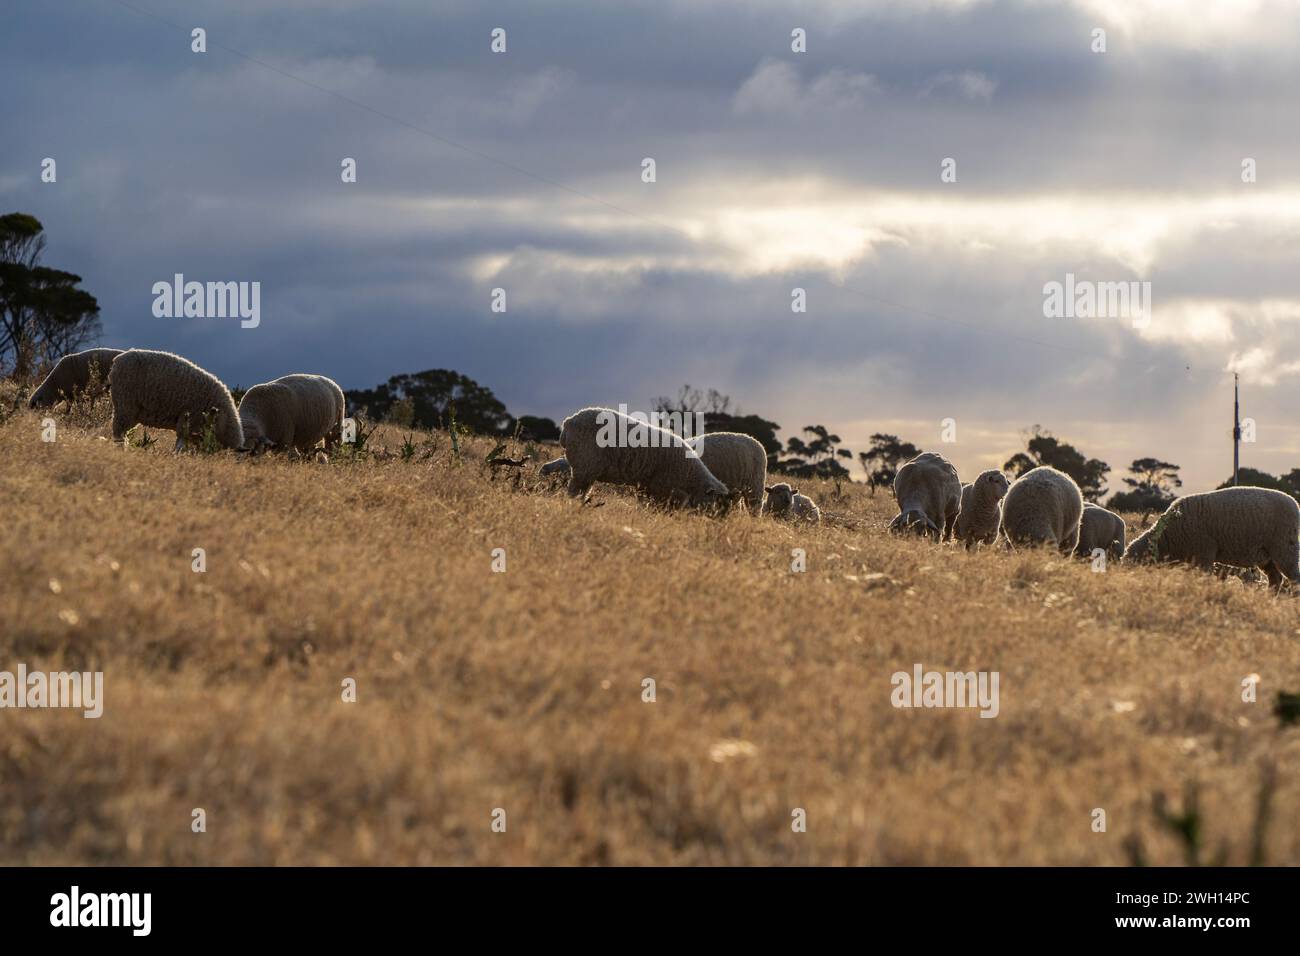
[{"x": 222, "y": 168}]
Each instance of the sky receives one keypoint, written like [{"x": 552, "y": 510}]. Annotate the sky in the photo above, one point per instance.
[{"x": 774, "y": 170}]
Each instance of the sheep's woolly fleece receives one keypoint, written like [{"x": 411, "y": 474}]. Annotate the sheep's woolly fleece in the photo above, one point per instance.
[
  {"x": 162, "y": 390},
  {"x": 602, "y": 444},
  {"x": 73, "y": 374},
  {"x": 977, "y": 521},
  {"x": 1042, "y": 506},
  {"x": 293, "y": 412},
  {"x": 738, "y": 461},
  {"x": 1102, "y": 529},
  {"x": 1245, "y": 527},
  {"x": 928, "y": 492},
  {"x": 785, "y": 502}
]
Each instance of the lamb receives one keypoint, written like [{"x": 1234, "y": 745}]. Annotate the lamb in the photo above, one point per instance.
[
  {"x": 73, "y": 374},
  {"x": 786, "y": 502},
  {"x": 292, "y": 413},
  {"x": 1042, "y": 506},
  {"x": 1102, "y": 529},
  {"x": 601, "y": 444},
  {"x": 738, "y": 461},
  {"x": 928, "y": 492},
  {"x": 977, "y": 520},
  {"x": 162, "y": 390},
  {"x": 556, "y": 466},
  {"x": 1245, "y": 527}
]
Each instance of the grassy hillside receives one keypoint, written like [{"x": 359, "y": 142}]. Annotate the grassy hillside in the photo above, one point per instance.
[{"x": 522, "y": 690}]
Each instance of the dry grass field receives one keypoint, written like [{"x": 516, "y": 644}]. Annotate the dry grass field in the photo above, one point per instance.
[{"x": 522, "y": 690}]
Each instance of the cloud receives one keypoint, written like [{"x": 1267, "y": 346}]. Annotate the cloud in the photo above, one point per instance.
[
  {"x": 775, "y": 87},
  {"x": 776, "y": 170},
  {"x": 971, "y": 84}
]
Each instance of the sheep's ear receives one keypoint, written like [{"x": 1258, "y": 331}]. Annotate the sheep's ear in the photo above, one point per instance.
[{"x": 768, "y": 489}]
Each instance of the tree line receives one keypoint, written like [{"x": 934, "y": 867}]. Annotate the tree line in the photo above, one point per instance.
[{"x": 44, "y": 314}]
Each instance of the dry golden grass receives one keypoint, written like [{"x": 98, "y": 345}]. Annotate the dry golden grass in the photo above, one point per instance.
[{"x": 522, "y": 690}]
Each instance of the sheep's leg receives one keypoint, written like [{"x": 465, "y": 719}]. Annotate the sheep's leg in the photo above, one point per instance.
[
  {"x": 122, "y": 424},
  {"x": 578, "y": 486},
  {"x": 1274, "y": 575},
  {"x": 1288, "y": 560},
  {"x": 947, "y": 527}
]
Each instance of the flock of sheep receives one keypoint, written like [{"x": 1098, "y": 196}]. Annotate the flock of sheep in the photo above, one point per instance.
[
  {"x": 162, "y": 390},
  {"x": 1244, "y": 527}
]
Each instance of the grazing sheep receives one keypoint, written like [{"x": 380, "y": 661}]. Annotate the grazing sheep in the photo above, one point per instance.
[
  {"x": 72, "y": 375},
  {"x": 557, "y": 466},
  {"x": 1100, "y": 528},
  {"x": 1244, "y": 527},
  {"x": 977, "y": 521},
  {"x": 786, "y": 502},
  {"x": 292, "y": 413},
  {"x": 161, "y": 390},
  {"x": 1042, "y": 506},
  {"x": 602, "y": 444},
  {"x": 928, "y": 492},
  {"x": 738, "y": 461}
]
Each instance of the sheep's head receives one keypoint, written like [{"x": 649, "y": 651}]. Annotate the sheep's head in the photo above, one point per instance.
[
  {"x": 1139, "y": 549},
  {"x": 255, "y": 443},
  {"x": 779, "y": 498},
  {"x": 996, "y": 481},
  {"x": 913, "y": 522}
]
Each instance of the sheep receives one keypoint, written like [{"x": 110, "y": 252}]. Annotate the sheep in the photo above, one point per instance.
[
  {"x": 162, "y": 390},
  {"x": 978, "y": 517},
  {"x": 1042, "y": 506},
  {"x": 601, "y": 444},
  {"x": 786, "y": 502},
  {"x": 928, "y": 492},
  {"x": 73, "y": 374},
  {"x": 1245, "y": 527},
  {"x": 292, "y": 413},
  {"x": 556, "y": 466},
  {"x": 1102, "y": 529},
  {"x": 738, "y": 461}
]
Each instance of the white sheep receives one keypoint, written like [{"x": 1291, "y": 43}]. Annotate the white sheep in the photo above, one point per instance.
[
  {"x": 1245, "y": 527},
  {"x": 602, "y": 444},
  {"x": 73, "y": 374},
  {"x": 292, "y": 413},
  {"x": 786, "y": 502},
  {"x": 556, "y": 466},
  {"x": 162, "y": 390},
  {"x": 738, "y": 461},
  {"x": 1102, "y": 529},
  {"x": 928, "y": 492},
  {"x": 1042, "y": 506},
  {"x": 978, "y": 518}
]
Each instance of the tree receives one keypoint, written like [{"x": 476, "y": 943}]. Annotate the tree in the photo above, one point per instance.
[
  {"x": 1262, "y": 479},
  {"x": 719, "y": 416},
  {"x": 1151, "y": 487},
  {"x": 815, "y": 458},
  {"x": 432, "y": 394},
  {"x": 1045, "y": 449},
  {"x": 42, "y": 310},
  {"x": 535, "y": 428},
  {"x": 882, "y": 460}
]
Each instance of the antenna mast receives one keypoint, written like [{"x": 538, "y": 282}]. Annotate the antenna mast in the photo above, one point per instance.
[{"x": 1236, "y": 428}]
